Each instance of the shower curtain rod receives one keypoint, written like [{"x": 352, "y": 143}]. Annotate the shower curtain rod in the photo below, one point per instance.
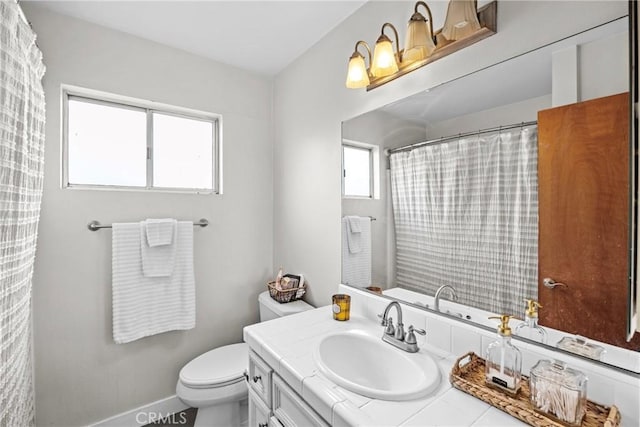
[{"x": 460, "y": 135}]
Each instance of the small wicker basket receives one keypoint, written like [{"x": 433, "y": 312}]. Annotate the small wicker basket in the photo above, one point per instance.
[
  {"x": 469, "y": 377},
  {"x": 286, "y": 295}
]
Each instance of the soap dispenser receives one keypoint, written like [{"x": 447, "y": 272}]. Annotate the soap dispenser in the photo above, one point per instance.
[
  {"x": 530, "y": 328},
  {"x": 503, "y": 360}
]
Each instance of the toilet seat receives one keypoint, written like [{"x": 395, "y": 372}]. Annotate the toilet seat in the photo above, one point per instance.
[
  {"x": 201, "y": 397},
  {"x": 219, "y": 367}
]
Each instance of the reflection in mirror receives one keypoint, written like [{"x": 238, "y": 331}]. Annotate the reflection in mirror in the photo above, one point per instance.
[
  {"x": 460, "y": 185},
  {"x": 466, "y": 216}
]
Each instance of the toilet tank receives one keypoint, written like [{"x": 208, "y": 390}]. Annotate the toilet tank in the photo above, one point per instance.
[{"x": 272, "y": 309}]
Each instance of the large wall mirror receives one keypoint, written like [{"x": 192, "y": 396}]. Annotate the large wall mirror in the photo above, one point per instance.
[{"x": 479, "y": 184}]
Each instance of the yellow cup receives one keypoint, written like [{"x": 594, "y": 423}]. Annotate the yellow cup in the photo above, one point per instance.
[{"x": 341, "y": 306}]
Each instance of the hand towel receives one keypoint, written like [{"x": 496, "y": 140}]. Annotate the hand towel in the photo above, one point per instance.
[
  {"x": 354, "y": 233},
  {"x": 144, "y": 306},
  {"x": 356, "y": 267},
  {"x": 158, "y": 260},
  {"x": 160, "y": 231},
  {"x": 354, "y": 224}
]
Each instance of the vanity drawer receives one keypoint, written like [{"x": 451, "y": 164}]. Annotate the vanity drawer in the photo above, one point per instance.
[
  {"x": 260, "y": 378},
  {"x": 289, "y": 410},
  {"x": 259, "y": 413}
]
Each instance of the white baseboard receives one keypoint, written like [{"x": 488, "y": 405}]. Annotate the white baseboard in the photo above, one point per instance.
[{"x": 146, "y": 414}]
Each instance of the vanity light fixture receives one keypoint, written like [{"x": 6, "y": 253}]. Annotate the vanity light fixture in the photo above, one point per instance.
[
  {"x": 357, "y": 73},
  {"x": 462, "y": 19},
  {"x": 385, "y": 61},
  {"x": 420, "y": 42},
  {"x": 464, "y": 25}
]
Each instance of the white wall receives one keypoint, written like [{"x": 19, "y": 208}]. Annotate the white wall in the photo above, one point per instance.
[
  {"x": 605, "y": 57},
  {"x": 81, "y": 375},
  {"x": 601, "y": 70},
  {"x": 311, "y": 101},
  {"x": 517, "y": 112}
]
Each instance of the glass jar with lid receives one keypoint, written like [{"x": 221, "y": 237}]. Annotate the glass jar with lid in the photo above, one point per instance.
[{"x": 559, "y": 391}]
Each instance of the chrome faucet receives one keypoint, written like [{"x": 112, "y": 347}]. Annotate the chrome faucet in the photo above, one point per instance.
[
  {"x": 396, "y": 335},
  {"x": 439, "y": 291}
]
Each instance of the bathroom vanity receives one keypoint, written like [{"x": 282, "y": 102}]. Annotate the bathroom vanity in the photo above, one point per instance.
[{"x": 287, "y": 386}]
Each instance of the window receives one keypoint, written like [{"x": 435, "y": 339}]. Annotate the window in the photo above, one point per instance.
[
  {"x": 117, "y": 143},
  {"x": 359, "y": 170}
]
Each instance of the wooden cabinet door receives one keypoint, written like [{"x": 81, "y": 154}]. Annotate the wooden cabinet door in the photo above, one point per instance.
[{"x": 583, "y": 178}]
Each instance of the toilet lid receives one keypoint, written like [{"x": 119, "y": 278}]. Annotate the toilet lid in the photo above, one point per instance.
[{"x": 217, "y": 366}]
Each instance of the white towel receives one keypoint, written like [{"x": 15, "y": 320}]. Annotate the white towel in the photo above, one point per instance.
[
  {"x": 158, "y": 261},
  {"x": 144, "y": 306},
  {"x": 356, "y": 267},
  {"x": 160, "y": 232},
  {"x": 354, "y": 233},
  {"x": 354, "y": 224}
]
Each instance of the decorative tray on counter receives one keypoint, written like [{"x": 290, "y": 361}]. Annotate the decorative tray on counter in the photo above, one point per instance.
[{"x": 470, "y": 378}]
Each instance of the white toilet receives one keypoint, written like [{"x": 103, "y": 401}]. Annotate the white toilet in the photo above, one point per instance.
[{"x": 214, "y": 382}]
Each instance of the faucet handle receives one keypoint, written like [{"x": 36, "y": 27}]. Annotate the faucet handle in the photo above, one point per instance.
[
  {"x": 399, "y": 335},
  {"x": 417, "y": 331},
  {"x": 411, "y": 337},
  {"x": 390, "y": 330},
  {"x": 383, "y": 322}
]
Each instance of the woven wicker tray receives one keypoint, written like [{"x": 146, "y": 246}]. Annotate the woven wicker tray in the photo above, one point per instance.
[
  {"x": 284, "y": 296},
  {"x": 470, "y": 379}
]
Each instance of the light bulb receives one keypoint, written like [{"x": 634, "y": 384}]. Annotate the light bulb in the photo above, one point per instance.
[
  {"x": 384, "y": 60},
  {"x": 357, "y": 76}
]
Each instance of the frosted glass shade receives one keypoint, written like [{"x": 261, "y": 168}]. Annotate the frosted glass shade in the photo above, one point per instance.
[
  {"x": 384, "y": 60},
  {"x": 357, "y": 76},
  {"x": 462, "y": 19},
  {"x": 419, "y": 44}
]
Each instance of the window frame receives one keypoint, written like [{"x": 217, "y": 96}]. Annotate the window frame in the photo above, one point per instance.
[
  {"x": 374, "y": 168},
  {"x": 149, "y": 108}
]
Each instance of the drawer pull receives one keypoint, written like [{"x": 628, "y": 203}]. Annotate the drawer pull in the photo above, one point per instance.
[
  {"x": 257, "y": 378},
  {"x": 263, "y": 425}
]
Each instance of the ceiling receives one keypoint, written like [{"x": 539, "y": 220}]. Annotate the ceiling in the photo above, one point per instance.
[
  {"x": 520, "y": 78},
  {"x": 260, "y": 36}
]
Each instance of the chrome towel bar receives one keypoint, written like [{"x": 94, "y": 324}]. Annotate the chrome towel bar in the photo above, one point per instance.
[
  {"x": 95, "y": 225},
  {"x": 373, "y": 218}
]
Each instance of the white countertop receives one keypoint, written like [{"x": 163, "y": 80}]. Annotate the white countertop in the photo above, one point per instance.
[{"x": 287, "y": 345}]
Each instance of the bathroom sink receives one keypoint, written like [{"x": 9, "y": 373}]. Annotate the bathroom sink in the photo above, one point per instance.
[{"x": 364, "y": 364}]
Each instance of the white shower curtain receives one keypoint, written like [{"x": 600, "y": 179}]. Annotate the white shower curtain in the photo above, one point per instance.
[
  {"x": 21, "y": 163},
  {"x": 466, "y": 215}
]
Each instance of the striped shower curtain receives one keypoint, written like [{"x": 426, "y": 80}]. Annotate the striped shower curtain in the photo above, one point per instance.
[
  {"x": 466, "y": 215},
  {"x": 21, "y": 167}
]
